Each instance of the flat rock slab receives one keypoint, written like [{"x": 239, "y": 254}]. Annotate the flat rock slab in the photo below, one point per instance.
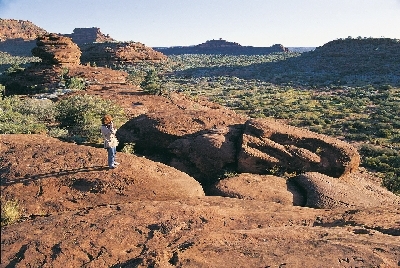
[
  {"x": 205, "y": 232},
  {"x": 48, "y": 176}
]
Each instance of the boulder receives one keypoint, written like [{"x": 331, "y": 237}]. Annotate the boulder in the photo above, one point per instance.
[
  {"x": 269, "y": 146},
  {"x": 322, "y": 191},
  {"x": 211, "y": 152}
]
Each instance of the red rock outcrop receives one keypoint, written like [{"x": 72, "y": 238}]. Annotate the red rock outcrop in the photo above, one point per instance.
[
  {"x": 257, "y": 146},
  {"x": 204, "y": 232},
  {"x": 118, "y": 53},
  {"x": 59, "y": 54},
  {"x": 57, "y": 50},
  {"x": 17, "y": 37}
]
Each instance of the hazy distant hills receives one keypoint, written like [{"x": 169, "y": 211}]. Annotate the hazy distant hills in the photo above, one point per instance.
[
  {"x": 300, "y": 49},
  {"x": 220, "y": 46}
]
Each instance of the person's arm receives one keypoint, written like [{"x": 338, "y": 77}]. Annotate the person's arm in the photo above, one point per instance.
[{"x": 112, "y": 129}]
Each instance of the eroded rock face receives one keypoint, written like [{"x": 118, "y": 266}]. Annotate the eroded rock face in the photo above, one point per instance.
[
  {"x": 60, "y": 54},
  {"x": 259, "y": 146},
  {"x": 210, "y": 152},
  {"x": 268, "y": 145},
  {"x": 55, "y": 49}
]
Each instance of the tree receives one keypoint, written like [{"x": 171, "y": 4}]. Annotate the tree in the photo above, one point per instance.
[{"x": 151, "y": 83}]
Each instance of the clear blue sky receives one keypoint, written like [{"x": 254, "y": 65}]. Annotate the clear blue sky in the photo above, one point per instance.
[{"x": 191, "y": 22}]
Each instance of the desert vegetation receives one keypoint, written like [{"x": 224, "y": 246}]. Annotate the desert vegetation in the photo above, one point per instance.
[
  {"x": 361, "y": 109},
  {"x": 74, "y": 118}
]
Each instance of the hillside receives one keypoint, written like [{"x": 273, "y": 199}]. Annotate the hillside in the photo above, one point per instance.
[
  {"x": 19, "y": 29},
  {"x": 17, "y": 37}
]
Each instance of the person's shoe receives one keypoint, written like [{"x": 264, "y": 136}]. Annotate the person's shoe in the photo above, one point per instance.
[
  {"x": 113, "y": 167},
  {"x": 116, "y": 163}
]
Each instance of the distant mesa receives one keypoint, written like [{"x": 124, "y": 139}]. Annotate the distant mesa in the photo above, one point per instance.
[
  {"x": 221, "y": 46},
  {"x": 82, "y": 36}
]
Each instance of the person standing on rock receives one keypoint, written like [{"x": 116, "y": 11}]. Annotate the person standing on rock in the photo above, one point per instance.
[{"x": 110, "y": 140}]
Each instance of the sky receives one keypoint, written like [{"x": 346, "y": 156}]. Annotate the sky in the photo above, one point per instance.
[{"x": 259, "y": 23}]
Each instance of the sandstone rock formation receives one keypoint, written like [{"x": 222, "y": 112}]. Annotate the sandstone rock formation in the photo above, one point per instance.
[
  {"x": 270, "y": 188},
  {"x": 57, "y": 50},
  {"x": 118, "y": 53},
  {"x": 257, "y": 146},
  {"x": 38, "y": 170},
  {"x": 268, "y": 144},
  {"x": 59, "y": 54},
  {"x": 322, "y": 191}
]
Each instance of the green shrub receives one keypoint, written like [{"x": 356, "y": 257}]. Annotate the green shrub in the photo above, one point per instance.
[
  {"x": 384, "y": 160},
  {"x": 24, "y": 116},
  {"x": 81, "y": 116},
  {"x": 56, "y": 132},
  {"x": 10, "y": 212},
  {"x": 129, "y": 148},
  {"x": 151, "y": 83},
  {"x": 16, "y": 123},
  {"x": 75, "y": 83},
  {"x": 391, "y": 181}
]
